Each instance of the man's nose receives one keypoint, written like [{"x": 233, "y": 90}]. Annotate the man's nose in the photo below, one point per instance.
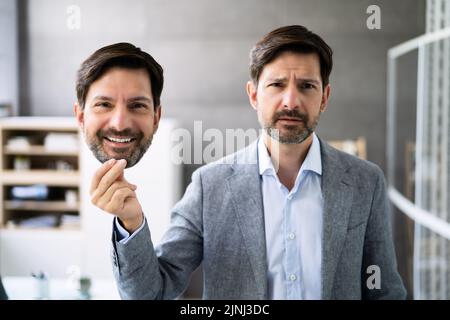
[
  {"x": 291, "y": 98},
  {"x": 120, "y": 118}
]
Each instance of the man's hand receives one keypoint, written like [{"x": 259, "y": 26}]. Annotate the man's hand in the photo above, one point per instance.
[{"x": 112, "y": 193}]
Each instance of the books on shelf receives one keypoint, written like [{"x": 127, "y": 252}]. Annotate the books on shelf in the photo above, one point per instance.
[
  {"x": 64, "y": 221},
  {"x": 18, "y": 143},
  {"x": 56, "y": 141},
  {"x": 69, "y": 221},
  {"x": 37, "y": 191},
  {"x": 44, "y": 221}
]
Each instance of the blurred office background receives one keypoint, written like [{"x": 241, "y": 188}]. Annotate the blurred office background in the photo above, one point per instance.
[{"x": 204, "y": 46}]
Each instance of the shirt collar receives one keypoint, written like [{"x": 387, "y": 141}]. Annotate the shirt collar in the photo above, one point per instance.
[{"x": 312, "y": 162}]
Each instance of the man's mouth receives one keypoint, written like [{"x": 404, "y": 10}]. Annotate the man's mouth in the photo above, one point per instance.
[
  {"x": 290, "y": 120},
  {"x": 119, "y": 141}
]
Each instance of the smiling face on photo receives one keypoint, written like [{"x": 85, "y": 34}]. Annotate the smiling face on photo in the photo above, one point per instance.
[
  {"x": 289, "y": 97},
  {"x": 119, "y": 118}
]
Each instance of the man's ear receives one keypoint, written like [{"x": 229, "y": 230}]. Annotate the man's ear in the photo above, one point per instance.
[
  {"x": 79, "y": 114},
  {"x": 156, "y": 118},
  {"x": 251, "y": 92},
  {"x": 325, "y": 97}
]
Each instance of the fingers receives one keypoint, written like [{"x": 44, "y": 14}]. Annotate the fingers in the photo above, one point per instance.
[
  {"x": 102, "y": 200},
  {"x": 118, "y": 200},
  {"x": 111, "y": 192},
  {"x": 100, "y": 173},
  {"x": 106, "y": 175}
]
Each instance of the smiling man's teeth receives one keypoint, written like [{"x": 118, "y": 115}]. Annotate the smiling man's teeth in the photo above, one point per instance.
[{"x": 118, "y": 139}]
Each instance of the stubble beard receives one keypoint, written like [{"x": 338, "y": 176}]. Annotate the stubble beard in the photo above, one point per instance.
[
  {"x": 292, "y": 134},
  {"x": 95, "y": 144}
]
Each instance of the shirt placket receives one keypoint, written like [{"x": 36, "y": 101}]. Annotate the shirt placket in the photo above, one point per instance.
[{"x": 292, "y": 257}]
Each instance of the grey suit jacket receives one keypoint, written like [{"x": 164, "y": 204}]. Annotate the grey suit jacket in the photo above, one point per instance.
[{"x": 219, "y": 221}]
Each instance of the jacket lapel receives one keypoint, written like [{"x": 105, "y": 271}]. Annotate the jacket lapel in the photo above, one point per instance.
[
  {"x": 245, "y": 188},
  {"x": 337, "y": 194}
]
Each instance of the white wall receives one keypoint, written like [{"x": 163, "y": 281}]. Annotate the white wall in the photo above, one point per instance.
[
  {"x": 25, "y": 251},
  {"x": 9, "y": 53}
]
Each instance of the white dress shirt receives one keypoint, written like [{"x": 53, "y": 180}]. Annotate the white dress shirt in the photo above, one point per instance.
[{"x": 293, "y": 226}]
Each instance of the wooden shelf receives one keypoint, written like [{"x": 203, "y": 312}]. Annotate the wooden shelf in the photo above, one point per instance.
[
  {"x": 41, "y": 205},
  {"x": 38, "y": 151},
  {"x": 40, "y": 123},
  {"x": 48, "y": 177}
]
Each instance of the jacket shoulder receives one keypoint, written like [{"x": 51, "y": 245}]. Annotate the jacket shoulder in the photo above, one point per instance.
[
  {"x": 225, "y": 165},
  {"x": 352, "y": 163}
]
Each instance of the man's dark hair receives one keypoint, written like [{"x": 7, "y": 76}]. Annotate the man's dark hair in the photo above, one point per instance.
[
  {"x": 123, "y": 55},
  {"x": 290, "y": 39}
]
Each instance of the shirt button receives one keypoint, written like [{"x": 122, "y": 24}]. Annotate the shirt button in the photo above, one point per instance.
[
  {"x": 291, "y": 236},
  {"x": 293, "y": 277}
]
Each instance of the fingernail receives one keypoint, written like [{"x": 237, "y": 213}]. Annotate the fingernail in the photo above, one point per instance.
[{"x": 123, "y": 162}]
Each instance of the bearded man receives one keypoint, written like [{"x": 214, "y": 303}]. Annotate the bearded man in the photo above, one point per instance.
[{"x": 287, "y": 217}]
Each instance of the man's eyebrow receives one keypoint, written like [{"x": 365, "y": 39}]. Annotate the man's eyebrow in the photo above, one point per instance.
[
  {"x": 280, "y": 79},
  {"x": 309, "y": 80},
  {"x": 140, "y": 98},
  {"x": 284, "y": 79},
  {"x": 103, "y": 98}
]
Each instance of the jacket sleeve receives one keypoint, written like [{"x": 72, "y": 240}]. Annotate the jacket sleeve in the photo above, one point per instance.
[
  {"x": 380, "y": 278},
  {"x": 145, "y": 272}
]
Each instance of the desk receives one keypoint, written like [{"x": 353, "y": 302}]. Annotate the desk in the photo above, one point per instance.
[{"x": 25, "y": 288}]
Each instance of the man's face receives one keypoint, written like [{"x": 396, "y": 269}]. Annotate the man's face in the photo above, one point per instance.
[
  {"x": 289, "y": 97},
  {"x": 119, "y": 119}
]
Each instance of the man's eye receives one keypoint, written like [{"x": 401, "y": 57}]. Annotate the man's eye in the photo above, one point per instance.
[
  {"x": 103, "y": 104},
  {"x": 138, "y": 106},
  {"x": 308, "y": 86},
  {"x": 276, "y": 84}
]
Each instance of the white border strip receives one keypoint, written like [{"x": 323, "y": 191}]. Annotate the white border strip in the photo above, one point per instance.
[{"x": 419, "y": 215}]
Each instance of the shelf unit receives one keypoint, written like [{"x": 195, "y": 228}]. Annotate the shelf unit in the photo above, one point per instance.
[
  {"x": 37, "y": 161},
  {"x": 54, "y": 250}
]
